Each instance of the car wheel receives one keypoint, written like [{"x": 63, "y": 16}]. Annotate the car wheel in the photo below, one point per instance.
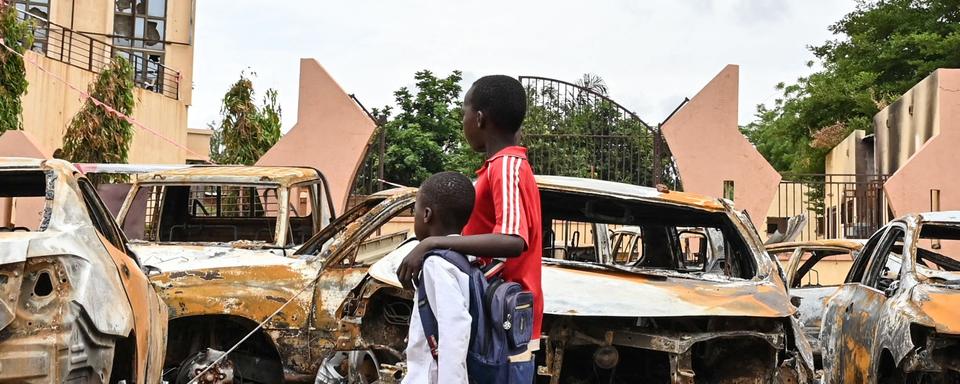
[
  {"x": 221, "y": 373},
  {"x": 360, "y": 367}
]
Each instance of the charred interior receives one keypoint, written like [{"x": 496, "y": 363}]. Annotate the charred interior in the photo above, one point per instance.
[
  {"x": 215, "y": 213},
  {"x": 643, "y": 234}
]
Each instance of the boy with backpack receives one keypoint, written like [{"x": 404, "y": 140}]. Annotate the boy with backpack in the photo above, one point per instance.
[
  {"x": 505, "y": 222},
  {"x": 443, "y": 206},
  {"x": 465, "y": 326}
]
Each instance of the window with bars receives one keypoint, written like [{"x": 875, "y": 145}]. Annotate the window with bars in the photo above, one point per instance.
[
  {"x": 139, "y": 28},
  {"x": 41, "y": 10},
  {"x": 232, "y": 201}
]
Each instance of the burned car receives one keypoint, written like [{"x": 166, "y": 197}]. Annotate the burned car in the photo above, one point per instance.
[
  {"x": 229, "y": 234},
  {"x": 75, "y": 302},
  {"x": 896, "y": 318},
  {"x": 814, "y": 270},
  {"x": 712, "y": 309},
  {"x": 286, "y": 304}
]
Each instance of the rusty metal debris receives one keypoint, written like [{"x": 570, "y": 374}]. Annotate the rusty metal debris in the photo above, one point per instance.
[
  {"x": 74, "y": 302},
  {"x": 895, "y": 318}
]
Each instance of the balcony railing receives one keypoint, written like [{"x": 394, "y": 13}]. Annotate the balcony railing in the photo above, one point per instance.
[
  {"x": 837, "y": 206},
  {"x": 88, "y": 53}
]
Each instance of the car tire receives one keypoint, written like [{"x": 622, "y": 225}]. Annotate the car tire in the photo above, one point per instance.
[
  {"x": 198, "y": 362},
  {"x": 362, "y": 368}
]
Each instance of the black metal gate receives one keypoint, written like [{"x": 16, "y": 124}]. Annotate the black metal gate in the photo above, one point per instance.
[{"x": 576, "y": 130}]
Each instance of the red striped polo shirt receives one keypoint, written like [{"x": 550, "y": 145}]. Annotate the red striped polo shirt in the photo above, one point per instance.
[{"x": 508, "y": 202}]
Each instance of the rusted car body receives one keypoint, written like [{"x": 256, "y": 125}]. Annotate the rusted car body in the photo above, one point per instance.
[
  {"x": 222, "y": 238},
  {"x": 897, "y": 316},
  {"x": 814, "y": 269},
  {"x": 669, "y": 316},
  {"x": 75, "y": 304}
]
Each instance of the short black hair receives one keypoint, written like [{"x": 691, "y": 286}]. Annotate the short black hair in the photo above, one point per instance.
[
  {"x": 451, "y": 196},
  {"x": 502, "y": 100}
]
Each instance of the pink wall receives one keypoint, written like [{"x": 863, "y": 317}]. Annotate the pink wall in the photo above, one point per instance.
[
  {"x": 331, "y": 132},
  {"x": 934, "y": 165},
  {"x": 709, "y": 148}
]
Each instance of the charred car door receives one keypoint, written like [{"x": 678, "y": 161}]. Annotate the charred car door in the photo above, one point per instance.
[
  {"x": 809, "y": 279},
  {"x": 149, "y": 332},
  {"x": 854, "y": 314},
  {"x": 347, "y": 248}
]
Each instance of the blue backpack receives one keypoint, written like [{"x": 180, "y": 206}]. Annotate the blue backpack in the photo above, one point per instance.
[{"x": 502, "y": 324}]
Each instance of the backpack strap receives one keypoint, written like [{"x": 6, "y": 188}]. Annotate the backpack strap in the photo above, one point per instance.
[{"x": 428, "y": 319}]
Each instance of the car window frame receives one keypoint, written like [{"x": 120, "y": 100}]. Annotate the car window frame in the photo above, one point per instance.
[
  {"x": 859, "y": 267},
  {"x": 883, "y": 251},
  {"x": 101, "y": 217}
]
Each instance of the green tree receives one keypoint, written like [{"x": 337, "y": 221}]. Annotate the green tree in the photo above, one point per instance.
[
  {"x": 18, "y": 35},
  {"x": 882, "y": 49},
  {"x": 424, "y": 136},
  {"x": 96, "y": 135},
  {"x": 245, "y": 131}
]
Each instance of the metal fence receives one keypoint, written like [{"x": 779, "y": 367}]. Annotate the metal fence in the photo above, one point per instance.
[
  {"x": 88, "y": 53},
  {"x": 836, "y": 206},
  {"x": 576, "y": 130},
  {"x": 369, "y": 176}
]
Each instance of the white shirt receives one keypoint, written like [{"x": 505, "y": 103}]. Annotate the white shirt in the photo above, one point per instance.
[{"x": 448, "y": 290}]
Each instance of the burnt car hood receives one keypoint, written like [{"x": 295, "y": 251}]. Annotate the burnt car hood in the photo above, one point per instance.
[
  {"x": 582, "y": 292},
  {"x": 939, "y": 307},
  {"x": 586, "y": 291},
  {"x": 187, "y": 257}
]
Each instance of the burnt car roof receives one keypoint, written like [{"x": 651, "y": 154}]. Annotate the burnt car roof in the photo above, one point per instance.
[
  {"x": 612, "y": 189},
  {"x": 949, "y": 217},
  {"x": 232, "y": 174},
  {"x": 852, "y": 244},
  {"x": 628, "y": 191},
  {"x": 27, "y": 162}
]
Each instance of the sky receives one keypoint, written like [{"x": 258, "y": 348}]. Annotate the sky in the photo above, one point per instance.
[{"x": 650, "y": 53}]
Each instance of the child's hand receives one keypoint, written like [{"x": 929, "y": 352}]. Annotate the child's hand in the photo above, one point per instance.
[{"x": 409, "y": 271}]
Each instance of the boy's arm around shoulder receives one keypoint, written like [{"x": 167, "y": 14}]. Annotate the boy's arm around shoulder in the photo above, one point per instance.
[
  {"x": 487, "y": 245},
  {"x": 449, "y": 299}
]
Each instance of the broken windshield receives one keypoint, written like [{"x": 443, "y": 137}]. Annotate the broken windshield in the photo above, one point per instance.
[
  {"x": 643, "y": 235},
  {"x": 938, "y": 253}
]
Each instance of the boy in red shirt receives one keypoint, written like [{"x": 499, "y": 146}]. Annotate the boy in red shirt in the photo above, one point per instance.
[{"x": 505, "y": 222}]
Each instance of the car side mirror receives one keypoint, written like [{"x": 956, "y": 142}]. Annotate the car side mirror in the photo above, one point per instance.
[
  {"x": 151, "y": 270},
  {"x": 892, "y": 289}
]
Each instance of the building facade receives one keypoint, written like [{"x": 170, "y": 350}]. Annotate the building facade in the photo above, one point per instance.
[{"x": 75, "y": 39}]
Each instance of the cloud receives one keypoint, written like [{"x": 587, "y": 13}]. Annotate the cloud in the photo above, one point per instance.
[{"x": 650, "y": 53}]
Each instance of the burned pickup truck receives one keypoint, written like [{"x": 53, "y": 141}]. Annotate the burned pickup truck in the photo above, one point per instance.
[
  {"x": 226, "y": 226},
  {"x": 698, "y": 302},
  {"x": 896, "y": 319}
]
